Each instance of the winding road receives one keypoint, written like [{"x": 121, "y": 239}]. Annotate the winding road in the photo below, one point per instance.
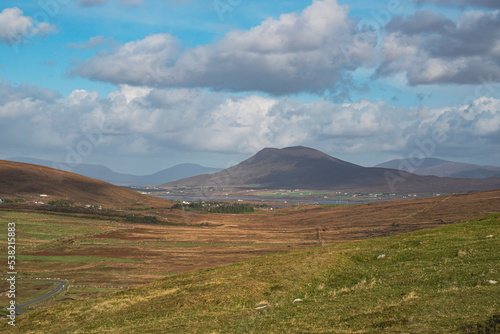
[{"x": 45, "y": 296}]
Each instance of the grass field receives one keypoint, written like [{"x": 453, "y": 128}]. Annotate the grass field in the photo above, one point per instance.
[
  {"x": 99, "y": 252},
  {"x": 429, "y": 281}
]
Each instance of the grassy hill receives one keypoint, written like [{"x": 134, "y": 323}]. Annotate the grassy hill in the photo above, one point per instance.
[
  {"x": 28, "y": 182},
  {"x": 431, "y": 281}
]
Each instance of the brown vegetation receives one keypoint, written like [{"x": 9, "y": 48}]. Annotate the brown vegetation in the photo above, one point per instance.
[
  {"x": 27, "y": 181},
  {"x": 208, "y": 240}
]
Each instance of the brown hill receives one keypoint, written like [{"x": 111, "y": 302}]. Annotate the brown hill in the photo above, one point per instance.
[
  {"x": 307, "y": 168},
  {"x": 28, "y": 181}
]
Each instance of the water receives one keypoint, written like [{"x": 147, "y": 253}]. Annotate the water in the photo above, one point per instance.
[{"x": 193, "y": 198}]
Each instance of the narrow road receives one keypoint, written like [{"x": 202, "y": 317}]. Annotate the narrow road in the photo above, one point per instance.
[{"x": 45, "y": 296}]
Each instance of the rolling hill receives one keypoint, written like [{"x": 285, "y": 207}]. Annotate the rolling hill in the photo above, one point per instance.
[
  {"x": 105, "y": 174},
  {"x": 443, "y": 168},
  {"x": 28, "y": 181},
  {"x": 441, "y": 280},
  {"x": 307, "y": 168}
]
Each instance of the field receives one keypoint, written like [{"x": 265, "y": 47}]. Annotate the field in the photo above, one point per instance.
[
  {"x": 100, "y": 252},
  {"x": 431, "y": 281}
]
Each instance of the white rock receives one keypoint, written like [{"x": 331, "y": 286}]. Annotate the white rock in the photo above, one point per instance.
[
  {"x": 489, "y": 236},
  {"x": 297, "y": 300},
  {"x": 381, "y": 256},
  {"x": 491, "y": 281}
]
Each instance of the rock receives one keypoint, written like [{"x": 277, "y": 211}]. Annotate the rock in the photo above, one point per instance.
[
  {"x": 491, "y": 281},
  {"x": 381, "y": 256},
  {"x": 297, "y": 300}
]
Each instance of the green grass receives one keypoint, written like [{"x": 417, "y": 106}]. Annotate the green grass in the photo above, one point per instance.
[
  {"x": 43, "y": 227},
  {"x": 430, "y": 281}
]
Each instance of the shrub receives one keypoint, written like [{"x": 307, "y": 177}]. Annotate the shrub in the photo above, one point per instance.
[{"x": 59, "y": 203}]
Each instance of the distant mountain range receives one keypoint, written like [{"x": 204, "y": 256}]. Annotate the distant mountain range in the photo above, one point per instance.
[
  {"x": 306, "y": 168},
  {"x": 103, "y": 173},
  {"x": 442, "y": 168}
]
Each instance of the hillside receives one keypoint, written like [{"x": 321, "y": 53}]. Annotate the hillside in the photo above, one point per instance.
[
  {"x": 440, "y": 280},
  {"x": 28, "y": 181},
  {"x": 307, "y": 168},
  {"x": 105, "y": 174},
  {"x": 443, "y": 168}
]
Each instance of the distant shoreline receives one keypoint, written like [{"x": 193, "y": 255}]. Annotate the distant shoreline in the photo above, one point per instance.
[{"x": 251, "y": 198}]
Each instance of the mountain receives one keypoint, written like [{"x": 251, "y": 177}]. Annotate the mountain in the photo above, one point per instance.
[
  {"x": 103, "y": 173},
  {"x": 443, "y": 168},
  {"x": 28, "y": 181},
  {"x": 306, "y": 168}
]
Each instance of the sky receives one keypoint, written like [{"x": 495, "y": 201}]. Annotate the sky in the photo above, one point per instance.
[{"x": 143, "y": 85}]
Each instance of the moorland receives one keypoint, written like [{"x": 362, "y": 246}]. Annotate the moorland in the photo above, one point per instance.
[{"x": 136, "y": 263}]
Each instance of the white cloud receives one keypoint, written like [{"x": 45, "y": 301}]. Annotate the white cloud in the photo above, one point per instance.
[
  {"x": 308, "y": 51},
  {"x": 431, "y": 48},
  {"x": 145, "y": 121},
  {"x": 15, "y": 28}
]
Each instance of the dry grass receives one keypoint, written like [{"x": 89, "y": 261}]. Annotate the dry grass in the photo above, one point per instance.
[{"x": 421, "y": 286}]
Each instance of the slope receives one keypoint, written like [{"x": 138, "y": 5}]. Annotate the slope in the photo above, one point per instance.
[
  {"x": 27, "y": 181},
  {"x": 443, "y": 168},
  {"x": 432, "y": 281},
  {"x": 105, "y": 174},
  {"x": 307, "y": 168}
]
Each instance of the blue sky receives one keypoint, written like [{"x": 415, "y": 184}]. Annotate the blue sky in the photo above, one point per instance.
[{"x": 143, "y": 85}]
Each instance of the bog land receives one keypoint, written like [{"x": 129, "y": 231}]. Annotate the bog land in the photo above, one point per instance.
[
  {"x": 103, "y": 251},
  {"x": 440, "y": 280}
]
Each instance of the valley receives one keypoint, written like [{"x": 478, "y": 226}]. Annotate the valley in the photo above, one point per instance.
[
  {"x": 92, "y": 242},
  {"x": 102, "y": 251}
]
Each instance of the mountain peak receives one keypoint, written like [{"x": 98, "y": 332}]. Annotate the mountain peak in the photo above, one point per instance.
[
  {"x": 300, "y": 167},
  {"x": 293, "y": 154}
]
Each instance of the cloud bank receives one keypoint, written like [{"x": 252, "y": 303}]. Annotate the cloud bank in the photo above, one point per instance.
[
  {"x": 145, "y": 121},
  {"x": 308, "y": 51},
  {"x": 314, "y": 51},
  {"x": 431, "y": 48}
]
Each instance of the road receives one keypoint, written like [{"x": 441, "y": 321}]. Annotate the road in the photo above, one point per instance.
[{"x": 45, "y": 296}]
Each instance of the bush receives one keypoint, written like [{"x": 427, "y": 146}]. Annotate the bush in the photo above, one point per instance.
[
  {"x": 232, "y": 208},
  {"x": 17, "y": 200},
  {"x": 215, "y": 207},
  {"x": 142, "y": 219},
  {"x": 58, "y": 203}
]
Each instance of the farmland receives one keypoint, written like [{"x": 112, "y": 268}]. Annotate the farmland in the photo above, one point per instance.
[
  {"x": 100, "y": 251},
  {"x": 431, "y": 281}
]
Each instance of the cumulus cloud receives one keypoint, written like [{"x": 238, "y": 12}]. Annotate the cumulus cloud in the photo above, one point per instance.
[
  {"x": 145, "y": 121},
  {"x": 307, "y": 51},
  {"x": 431, "y": 48},
  {"x": 464, "y": 3},
  {"x": 15, "y": 28}
]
